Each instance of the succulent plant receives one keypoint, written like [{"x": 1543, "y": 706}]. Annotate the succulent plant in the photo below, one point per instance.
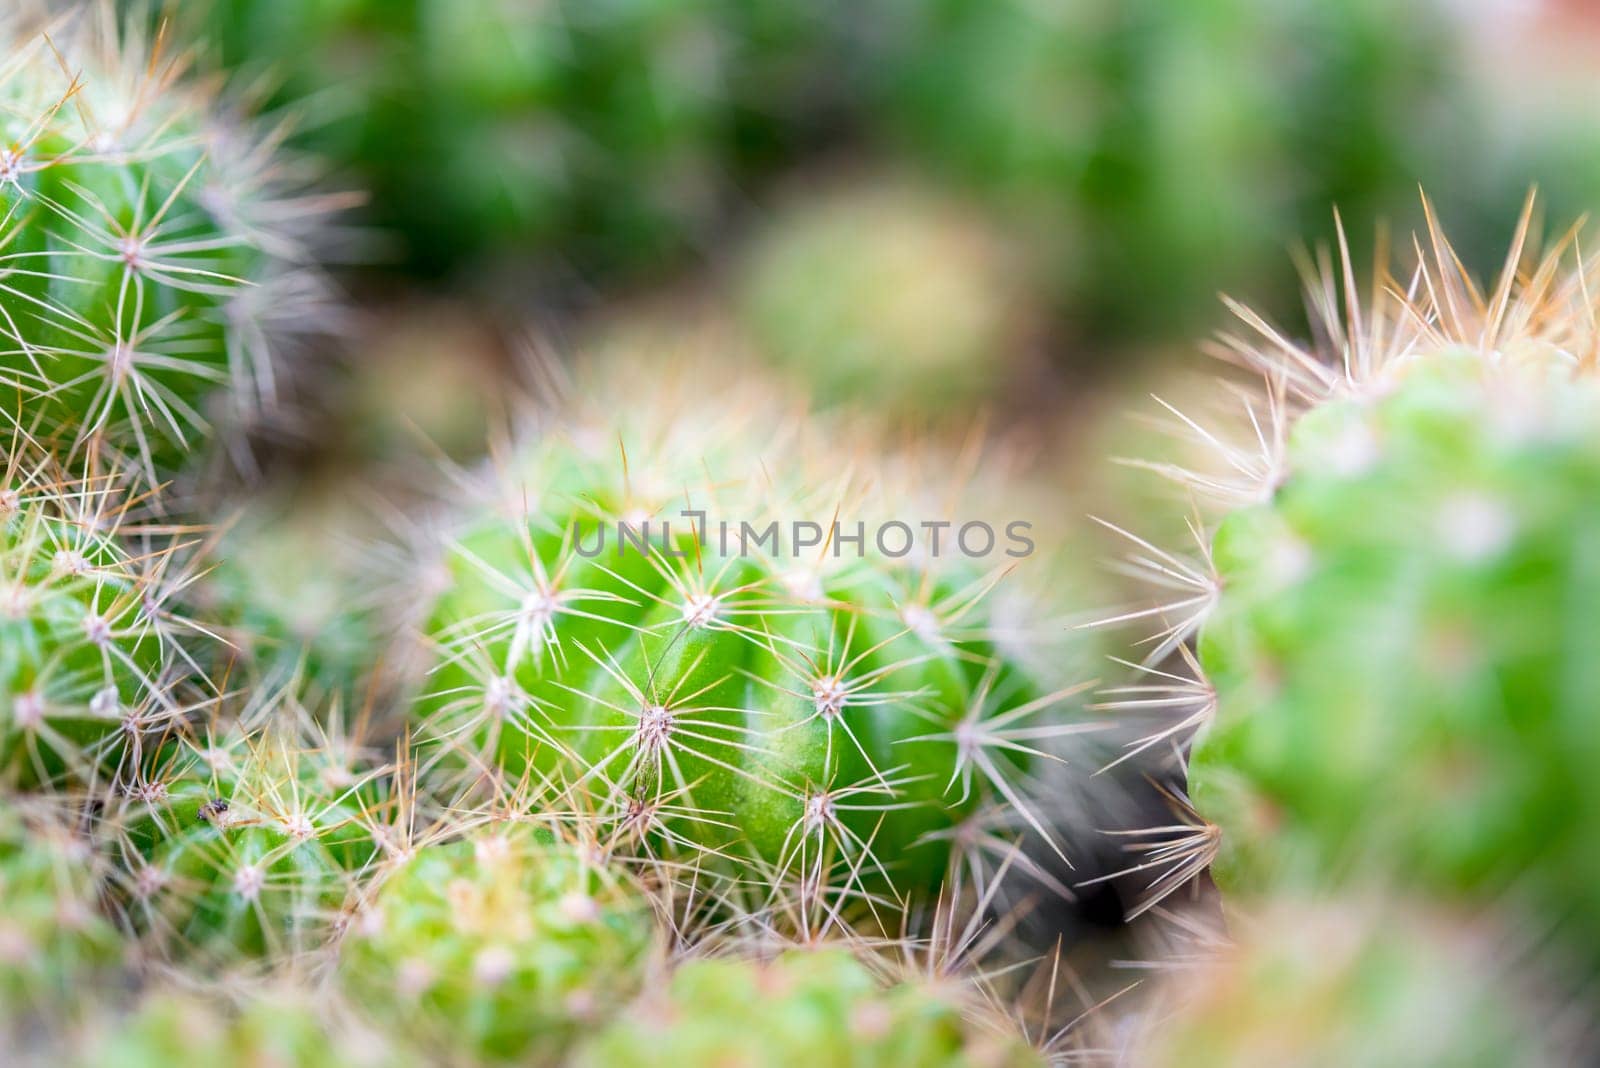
[
  {"x": 841, "y": 291},
  {"x": 1392, "y": 616},
  {"x": 246, "y": 840},
  {"x": 804, "y": 1006},
  {"x": 90, "y": 637},
  {"x": 144, "y": 227},
  {"x": 834, "y": 710},
  {"x": 54, "y": 942},
  {"x": 1325, "y": 983},
  {"x": 503, "y": 946},
  {"x": 276, "y": 1024}
]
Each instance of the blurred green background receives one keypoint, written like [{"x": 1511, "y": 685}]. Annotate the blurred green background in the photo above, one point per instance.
[{"x": 928, "y": 208}]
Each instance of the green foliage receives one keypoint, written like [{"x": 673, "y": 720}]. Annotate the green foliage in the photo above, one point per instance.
[{"x": 804, "y": 1007}]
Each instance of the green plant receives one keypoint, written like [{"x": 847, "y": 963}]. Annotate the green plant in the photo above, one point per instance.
[
  {"x": 1393, "y": 616},
  {"x": 246, "y": 839},
  {"x": 90, "y": 637},
  {"x": 53, "y": 940},
  {"x": 832, "y": 711},
  {"x": 150, "y": 240},
  {"x": 802, "y": 1007},
  {"x": 886, "y": 292},
  {"x": 503, "y": 946},
  {"x": 1325, "y": 984}
]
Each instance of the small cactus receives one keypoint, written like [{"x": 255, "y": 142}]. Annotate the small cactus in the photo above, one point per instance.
[
  {"x": 141, "y": 225},
  {"x": 887, "y": 292},
  {"x": 242, "y": 842},
  {"x": 1393, "y": 614},
  {"x": 89, "y": 638},
  {"x": 54, "y": 941},
  {"x": 814, "y": 707},
  {"x": 501, "y": 947},
  {"x": 805, "y": 1006},
  {"x": 1354, "y": 983}
]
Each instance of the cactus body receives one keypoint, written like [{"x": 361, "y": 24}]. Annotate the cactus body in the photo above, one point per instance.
[
  {"x": 84, "y": 662},
  {"x": 141, "y": 228},
  {"x": 1350, "y": 983},
  {"x": 790, "y": 704},
  {"x": 803, "y": 1007},
  {"x": 841, "y": 293},
  {"x": 1393, "y": 628},
  {"x": 501, "y": 947}
]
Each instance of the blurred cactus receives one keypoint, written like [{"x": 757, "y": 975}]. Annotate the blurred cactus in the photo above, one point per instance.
[
  {"x": 889, "y": 292},
  {"x": 835, "y": 712},
  {"x": 1353, "y": 983},
  {"x": 806, "y": 1006},
  {"x": 1153, "y": 152},
  {"x": 54, "y": 942},
  {"x": 254, "y": 1025},
  {"x": 151, "y": 239},
  {"x": 502, "y": 947},
  {"x": 1391, "y": 614}
]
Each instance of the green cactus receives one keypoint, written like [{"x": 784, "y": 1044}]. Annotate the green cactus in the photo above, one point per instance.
[
  {"x": 500, "y": 947},
  {"x": 840, "y": 293},
  {"x": 803, "y": 1007},
  {"x": 1393, "y": 617},
  {"x": 1353, "y": 983},
  {"x": 278, "y": 1024},
  {"x": 240, "y": 843},
  {"x": 54, "y": 941},
  {"x": 805, "y": 706},
  {"x": 87, "y": 638},
  {"x": 146, "y": 235}
]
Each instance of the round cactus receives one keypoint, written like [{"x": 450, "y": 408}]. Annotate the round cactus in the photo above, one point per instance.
[
  {"x": 1393, "y": 616},
  {"x": 501, "y": 947},
  {"x": 810, "y": 1006},
  {"x": 273, "y": 1025},
  {"x": 801, "y": 701},
  {"x": 1325, "y": 984},
  {"x": 241, "y": 842},
  {"x": 87, "y": 641},
  {"x": 141, "y": 225},
  {"x": 843, "y": 292},
  {"x": 54, "y": 941}
]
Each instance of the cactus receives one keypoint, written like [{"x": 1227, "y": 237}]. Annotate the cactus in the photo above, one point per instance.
[
  {"x": 242, "y": 842},
  {"x": 1392, "y": 615},
  {"x": 141, "y": 224},
  {"x": 839, "y": 292},
  {"x": 53, "y": 940},
  {"x": 501, "y": 947},
  {"x": 1354, "y": 983},
  {"x": 810, "y": 707},
  {"x": 805, "y": 1006},
  {"x": 277, "y": 1024},
  {"x": 90, "y": 643}
]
